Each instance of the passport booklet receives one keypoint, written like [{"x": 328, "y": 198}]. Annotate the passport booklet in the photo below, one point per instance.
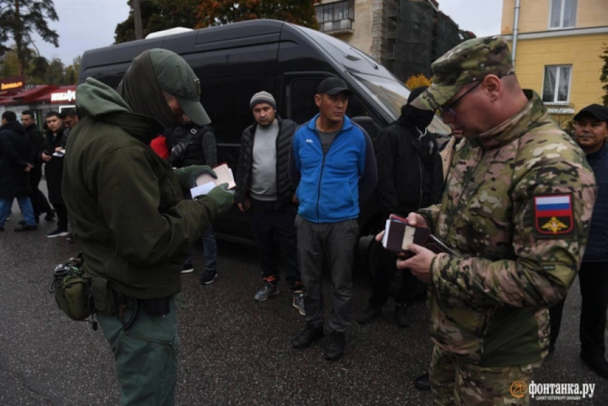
[{"x": 398, "y": 234}]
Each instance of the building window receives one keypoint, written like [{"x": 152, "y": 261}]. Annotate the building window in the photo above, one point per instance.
[
  {"x": 556, "y": 88},
  {"x": 335, "y": 16},
  {"x": 562, "y": 13}
]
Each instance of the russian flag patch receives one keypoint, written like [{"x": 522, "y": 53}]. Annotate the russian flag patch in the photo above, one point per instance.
[{"x": 553, "y": 215}]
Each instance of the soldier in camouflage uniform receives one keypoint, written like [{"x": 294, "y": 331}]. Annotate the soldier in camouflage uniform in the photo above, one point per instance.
[{"x": 516, "y": 207}]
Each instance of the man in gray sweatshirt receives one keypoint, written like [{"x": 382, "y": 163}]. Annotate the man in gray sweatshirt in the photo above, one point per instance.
[{"x": 265, "y": 192}]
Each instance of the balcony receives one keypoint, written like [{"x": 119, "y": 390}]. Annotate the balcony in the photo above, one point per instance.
[{"x": 336, "y": 18}]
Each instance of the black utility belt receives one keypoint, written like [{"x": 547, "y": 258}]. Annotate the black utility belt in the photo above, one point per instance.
[{"x": 152, "y": 307}]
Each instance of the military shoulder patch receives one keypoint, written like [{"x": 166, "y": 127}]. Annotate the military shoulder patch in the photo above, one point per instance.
[{"x": 553, "y": 215}]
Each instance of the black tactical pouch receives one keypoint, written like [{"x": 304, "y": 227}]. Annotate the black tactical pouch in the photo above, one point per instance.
[{"x": 103, "y": 297}]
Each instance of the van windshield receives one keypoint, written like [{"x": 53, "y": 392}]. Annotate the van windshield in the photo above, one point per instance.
[{"x": 392, "y": 95}]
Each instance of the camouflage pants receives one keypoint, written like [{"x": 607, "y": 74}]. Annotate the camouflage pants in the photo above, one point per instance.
[{"x": 458, "y": 383}]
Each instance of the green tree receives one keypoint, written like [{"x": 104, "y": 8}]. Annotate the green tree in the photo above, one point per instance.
[
  {"x": 604, "y": 76},
  {"x": 71, "y": 71},
  {"x": 36, "y": 66},
  {"x": 158, "y": 15},
  {"x": 219, "y": 12},
  {"x": 19, "y": 19}
]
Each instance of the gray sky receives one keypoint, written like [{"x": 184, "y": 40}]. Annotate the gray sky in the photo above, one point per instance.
[{"x": 89, "y": 24}]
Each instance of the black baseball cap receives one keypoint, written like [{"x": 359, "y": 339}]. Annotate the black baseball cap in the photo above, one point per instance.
[
  {"x": 599, "y": 112},
  {"x": 333, "y": 86}
]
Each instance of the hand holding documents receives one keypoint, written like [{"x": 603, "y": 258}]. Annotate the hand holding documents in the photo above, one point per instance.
[
  {"x": 398, "y": 235},
  {"x": 206, "y": 182},
  {"x": 60, "y": 153}
]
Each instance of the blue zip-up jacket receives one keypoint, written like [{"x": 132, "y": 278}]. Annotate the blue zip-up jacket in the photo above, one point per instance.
[
  {"x": 331, "y": 186},
  {"x": 597, "y": 245}
]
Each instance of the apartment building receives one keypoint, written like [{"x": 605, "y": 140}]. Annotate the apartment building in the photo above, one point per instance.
[
  {"x": 405, "y": 36},
  {"x": 557, "y": 46}
]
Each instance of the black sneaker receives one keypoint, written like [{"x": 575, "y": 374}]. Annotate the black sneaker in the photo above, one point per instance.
[
  {"x": 57, "y": 233},
  {"x": 22, "y": 222},
  {"x": 308, "y": 336},
  {"x": 188, "y": 268},
  {"x": 401, "y": 317},
  {"x": 208, "y": 277},
  {"x": 596, "y": 362},
  {"x": 369, "y": 314},
  {"x": 423, "y": 382},
  {"x": 26, "y": 228},
  {"x": 335, "y": 346}
]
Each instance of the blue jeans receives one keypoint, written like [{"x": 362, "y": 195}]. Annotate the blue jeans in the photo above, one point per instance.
[
  {"x": 26, "y": 209},
  {"x": 210, "y": 251}
]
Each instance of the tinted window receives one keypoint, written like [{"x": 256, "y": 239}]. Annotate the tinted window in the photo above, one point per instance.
[{"x": 303, "y": 106}]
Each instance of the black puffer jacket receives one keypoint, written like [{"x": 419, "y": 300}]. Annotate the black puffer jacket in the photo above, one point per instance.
[
  {"x": 597, "y": 247},
  {"x": 53, "y": 170},
  {"x": 202, "y": 148},
  {"x": 410, "y": 171},
  {"x": 243, "y": 174},
  {"x": 15, "y": 154}
]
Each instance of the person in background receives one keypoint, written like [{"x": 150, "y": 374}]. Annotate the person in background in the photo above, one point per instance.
[
  {"x": 15, "y": 165},
  {"x": 333, "y": 168},
  {"x": 591, "y": 132},
  {"x": 410, "y": 177},
  {"x": 38, "y": 199},
  {"x": 265, "y": 192},
  {"x": 53, "y": 171},
  {"x": 196, "y": 145},
  {"x": 70, "y": 119}
]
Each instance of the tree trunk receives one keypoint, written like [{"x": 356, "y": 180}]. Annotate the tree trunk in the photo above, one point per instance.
[
  {"x": 19, "y": 38},
  {"x": 137, "y": 18}
]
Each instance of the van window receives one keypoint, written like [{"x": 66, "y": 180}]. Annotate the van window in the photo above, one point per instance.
[
  {"x": 303, "y": 107},
  {"x": 226, "y": 101}
]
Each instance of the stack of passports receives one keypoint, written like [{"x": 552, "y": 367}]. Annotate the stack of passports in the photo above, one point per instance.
[{"x": 398, "y": 235}]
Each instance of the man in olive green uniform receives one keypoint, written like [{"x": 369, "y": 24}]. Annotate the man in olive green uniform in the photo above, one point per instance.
[
  {"x": 516, "y": 209},
  {"x": 130, "y": 220}
]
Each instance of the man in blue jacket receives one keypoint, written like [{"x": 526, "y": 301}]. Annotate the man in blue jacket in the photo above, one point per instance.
[
  {"x": 333, "y": 165},
  {"x": 590, "y": 133}
]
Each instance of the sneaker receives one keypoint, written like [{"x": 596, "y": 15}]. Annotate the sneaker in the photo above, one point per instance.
[
  {"x": 401, "y": 317},
  {"x": 369, "y": 314},
  {"x": 26, "y": 228},
  {"x": 423, "y": 382},
  {"x": 596, "y": 362},
  {"x": 57, "y": 233},
  {"x": 298, "y": 302},
  {"x": 308, "y": 336},
  {"x": 269, "y": 289},
  {"x": 189, "y": 268},
  {"x": 208, "y": 277},
  {"x": 335, "y": 346}
]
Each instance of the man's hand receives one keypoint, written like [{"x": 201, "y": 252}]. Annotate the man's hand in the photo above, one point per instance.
[
  {"x": 58, "y": 149},
  {"x": 45, "y": 157},
  {"x": 294, "y": 199},
  {"x": 187, "y": 176},
  {"x": 245, "y": 206},
  {"x": 222, "y": 197},
  {"x": 415, "y": 219},
  {"x": 28, "y": 168},
  {"x": 419, "y": 263}
]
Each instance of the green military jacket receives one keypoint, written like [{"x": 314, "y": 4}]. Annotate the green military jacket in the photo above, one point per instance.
[
  {"x": 125, "y": 204},
  {"x": 517, "y": 206}
]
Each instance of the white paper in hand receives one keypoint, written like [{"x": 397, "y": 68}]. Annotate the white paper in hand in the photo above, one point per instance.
[{"x": 202, "y": 190}]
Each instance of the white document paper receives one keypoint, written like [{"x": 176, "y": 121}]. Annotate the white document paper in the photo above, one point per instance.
[
  {"x": 206, "y": 182},
  {"x": 59, "y": 153},
  {"x": 202, "y": 190}
]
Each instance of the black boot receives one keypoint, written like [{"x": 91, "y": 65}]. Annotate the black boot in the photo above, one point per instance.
[
  {"x": 335, "y": 346},
  {"x": 25, "y": 228},
  {"x": 401, "y": 317},
  {"x": 369, "y": 314},
  {"x": 423, "y": 382},
  {"x": 596, "y": 362},
  {"x": 308, "y": 336}
]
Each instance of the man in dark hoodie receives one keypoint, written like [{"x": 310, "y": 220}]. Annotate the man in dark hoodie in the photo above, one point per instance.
[
  {"x": 14, "y": 171},
  {"x": 410, "y": 176},
  {"x": 34, "y": 135},
  {"x": 129, "y": 216}
]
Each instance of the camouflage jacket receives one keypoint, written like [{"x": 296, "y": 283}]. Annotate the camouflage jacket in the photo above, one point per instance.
[{"x": 517, "y": 205}]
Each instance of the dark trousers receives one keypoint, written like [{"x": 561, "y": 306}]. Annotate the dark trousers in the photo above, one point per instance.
[
  {"x": 272, "y": 227},
  {"x": 62, "y": 216},
  {"x": 384, "y": 268},
  {"x": 38, "y": 199},
  {"x": 593, "y": 279},
  {"x": 337, "y": 243}
]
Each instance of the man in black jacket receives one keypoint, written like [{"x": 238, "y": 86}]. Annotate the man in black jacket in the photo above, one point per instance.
[
  {"x": 14, "y": 171},
  {"x": 410, "y": 176},
  {"x": 196, "y": 145},
  {"x": 34, "y": 135},
  {"x": 53, "y": 171},
  {"x": 264, "y": 190}
]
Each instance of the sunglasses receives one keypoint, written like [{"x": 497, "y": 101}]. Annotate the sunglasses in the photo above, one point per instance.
[{"x": 450, "y": 108}]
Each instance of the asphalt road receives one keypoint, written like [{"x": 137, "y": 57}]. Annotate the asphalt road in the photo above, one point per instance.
[{"x": 234, "y": 351}]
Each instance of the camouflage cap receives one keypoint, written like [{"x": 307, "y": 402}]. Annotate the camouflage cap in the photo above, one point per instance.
[{"x": 467, "y": 62}]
